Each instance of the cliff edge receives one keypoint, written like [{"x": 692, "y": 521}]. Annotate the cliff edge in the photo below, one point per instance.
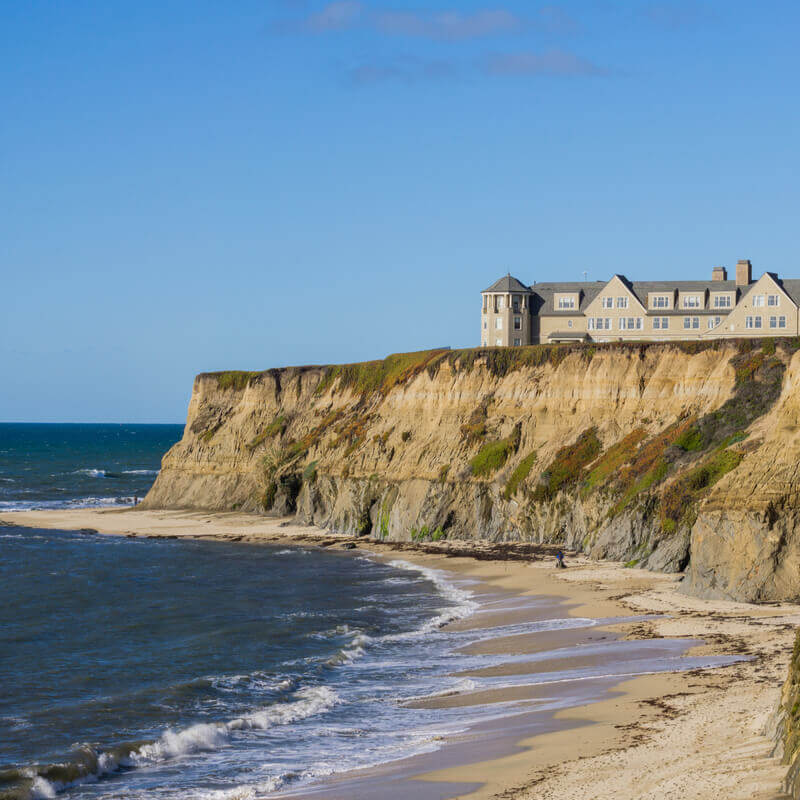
[{"x": 670, "y": 456}]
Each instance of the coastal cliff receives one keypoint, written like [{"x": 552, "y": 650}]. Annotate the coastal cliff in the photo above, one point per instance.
[{"x": 669, "y": 456}]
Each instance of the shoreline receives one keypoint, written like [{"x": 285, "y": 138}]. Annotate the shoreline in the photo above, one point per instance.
[{"x": 696, "y": 734}]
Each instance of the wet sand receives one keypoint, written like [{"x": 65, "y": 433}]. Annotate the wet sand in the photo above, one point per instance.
[{"x": 696, "y": 734}]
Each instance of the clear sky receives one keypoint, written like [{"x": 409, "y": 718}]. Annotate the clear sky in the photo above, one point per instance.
[{"x": 194, "y": 186}]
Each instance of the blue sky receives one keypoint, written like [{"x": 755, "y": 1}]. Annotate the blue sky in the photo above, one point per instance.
[{"x": 194, "y": 186}]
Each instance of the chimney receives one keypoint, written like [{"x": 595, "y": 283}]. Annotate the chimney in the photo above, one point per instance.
[
  {"x": 744, "y": 273},
  {"x": 719, "y": 274}
]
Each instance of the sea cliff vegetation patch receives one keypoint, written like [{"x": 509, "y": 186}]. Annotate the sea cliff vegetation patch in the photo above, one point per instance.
[
  {"x": 521, "y": 472},
  {"x": 567, "y": 467},
  {"x": 493, "y": 455}
]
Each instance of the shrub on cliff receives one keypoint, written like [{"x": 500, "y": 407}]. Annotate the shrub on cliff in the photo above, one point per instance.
[
  {"x": 494, "y": 455},
  {"x": 521, "y": 472},
  {"x": 567, "y": 467}
]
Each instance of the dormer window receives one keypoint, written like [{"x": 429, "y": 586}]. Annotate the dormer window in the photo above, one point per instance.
[
  {"x": 566, "y": 303},
  {"x": 722, "y": 301},
  {"x": 692, "y": 301},
  {"x": 659, "y": 301}
]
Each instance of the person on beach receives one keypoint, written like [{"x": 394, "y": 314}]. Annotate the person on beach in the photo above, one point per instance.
[{"x": 559, "y": 560}]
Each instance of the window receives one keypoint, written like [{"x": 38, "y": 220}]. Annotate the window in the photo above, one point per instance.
[
  {"x": 566, "y": 302},
  {"x": 498, "y": 323},
  {"x": 608, "y": 302},
  {"x": 714, "y": 321},
  {"x": 722, "y": 301},
  {"x": 515, "y": 302},
  {"x": 773, "y": 299},
  {"x": 500, "y": 303},
  {"x": 599, "y": 323},
  {"x": 758, "y": 301},
  {"x": 498, "y": 342},
  {"x": 752, "y": 322},
  {"x": 660, "y": 323},
  {"x": 659, "y": 301},
  {"x": 517, "y": 323},
  {"x": 517, "y": 342},
  {"x": 777, "y": 322},
  {"x": 622, "y": 302},
  {"x": 630, "y": 323},
  {"x": 485, "y": 324},
  {"x": 692, "y": 301},
  {"x": 483, "y": 343},
  {"x": 690, "y": 323}
]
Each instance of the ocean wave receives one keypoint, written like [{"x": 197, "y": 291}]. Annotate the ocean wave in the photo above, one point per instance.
[
  {"x": 89, "y": 765},
  {"x": 463, "y": 604},
  {"x": 75, "y": 502},
  {"x": 105, "y": 473}
]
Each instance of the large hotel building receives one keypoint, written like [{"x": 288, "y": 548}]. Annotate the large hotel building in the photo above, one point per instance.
[{"x": 513, "y": 314}]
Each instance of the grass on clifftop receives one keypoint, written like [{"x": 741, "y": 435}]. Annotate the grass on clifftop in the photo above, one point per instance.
[
  {"x": 235, "y": 380},
  {"x": 379, "y": 376}
]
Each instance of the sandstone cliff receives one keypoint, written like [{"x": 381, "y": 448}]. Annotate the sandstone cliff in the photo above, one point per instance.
[{"x": 662, "y": 455}]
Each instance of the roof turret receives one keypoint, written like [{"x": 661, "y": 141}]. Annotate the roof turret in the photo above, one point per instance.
[{"x": 508, "y": 283}]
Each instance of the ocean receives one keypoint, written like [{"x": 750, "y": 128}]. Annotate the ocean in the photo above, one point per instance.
[
  {"x": 139, "y": 668},
  {"x": 79, "y": 466}
]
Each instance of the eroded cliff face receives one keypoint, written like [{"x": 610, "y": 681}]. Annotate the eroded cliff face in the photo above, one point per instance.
[{"x": 659, "y": 455}]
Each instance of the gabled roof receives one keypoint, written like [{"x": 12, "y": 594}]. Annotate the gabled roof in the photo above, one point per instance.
[
  {"x": 508, "y": 283},
  {"x": 546, "y": 292}
]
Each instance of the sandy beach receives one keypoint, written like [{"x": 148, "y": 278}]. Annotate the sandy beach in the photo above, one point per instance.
[{"x": 696, "y": 734}]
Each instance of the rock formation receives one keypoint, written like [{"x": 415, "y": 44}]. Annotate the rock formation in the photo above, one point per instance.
[{"x": 667, "y": 456}]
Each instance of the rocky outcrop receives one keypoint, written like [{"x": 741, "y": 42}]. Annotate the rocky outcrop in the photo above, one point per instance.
[{"x": 641, "y": 453}]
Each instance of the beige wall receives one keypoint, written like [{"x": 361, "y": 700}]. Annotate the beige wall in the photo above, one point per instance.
[
  {"x": 735, "y": 324},
  {"x": 491, "y": 312},
  {"x": 537, "y": 329}
]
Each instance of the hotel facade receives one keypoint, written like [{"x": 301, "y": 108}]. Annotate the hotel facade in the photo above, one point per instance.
[{"x": 513, "y": 314}]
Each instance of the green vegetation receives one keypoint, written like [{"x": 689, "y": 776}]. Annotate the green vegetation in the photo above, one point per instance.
[
  {"x": 276, "y": 428},
  {"x": 383, "y": 525},
  {"x": 519, "y": 475},
  {"x": 691, "y": 440},
  {"x": 679, "y": 499},
  {"x": 607, "y": 467},
  {"x": 426, "y": 534},
  {"x": 208, "y": 435},
  {"x": 269, "y": 495},
  {"x": 443, "y": 472},
  {"x": 235, "y": 380},
  {"x": 379, "y": 376},
  {"x": 310, "y": 472},
  {"x": 405, "y": 435},
  {"x": 494, "y": 455},
  {"x": 632, "y": 563},
  {"x": 648, "y": 466},
  {"x": 567, "y": 467},
  {"x": 474, "y": 429}
]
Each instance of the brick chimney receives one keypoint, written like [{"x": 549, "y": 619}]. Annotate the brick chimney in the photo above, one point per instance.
[
  {"x": 744, "y": 273},
  {"x": 719, "y": 274}
]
